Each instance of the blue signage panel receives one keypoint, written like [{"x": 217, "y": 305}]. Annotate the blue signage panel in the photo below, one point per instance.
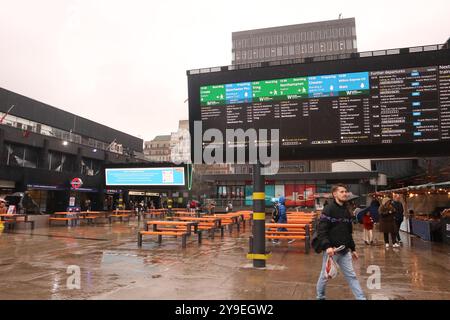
[{"x": 171, "y": 176}]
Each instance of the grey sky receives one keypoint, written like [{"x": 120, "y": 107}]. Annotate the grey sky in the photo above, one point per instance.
[{"x": 123, "y": 63}]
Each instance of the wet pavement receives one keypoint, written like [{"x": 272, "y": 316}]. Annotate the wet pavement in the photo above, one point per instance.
[{"x": 35, "y": 266}]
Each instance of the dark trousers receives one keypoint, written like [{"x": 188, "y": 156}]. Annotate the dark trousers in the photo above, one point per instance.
[
  {"x": 398, "y": 224},
  {"x": 393, "y": 237}
]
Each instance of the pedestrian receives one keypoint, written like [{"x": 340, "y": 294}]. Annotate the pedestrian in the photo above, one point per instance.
[
  {"x": 387, "y": 222},
  {"x": 335, "y": 232},
  {"x": 368, "y": 226},
  {"x": 3, "y": 207},
  {"x": 373, "y": 208},
  {"x": 282, "y": 218},
  {"x": 398, "y": 216},
  {"x": 229, "y": 207}
]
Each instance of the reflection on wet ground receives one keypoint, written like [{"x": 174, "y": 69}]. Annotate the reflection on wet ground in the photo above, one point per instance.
[{"x": 34, "y": 266}]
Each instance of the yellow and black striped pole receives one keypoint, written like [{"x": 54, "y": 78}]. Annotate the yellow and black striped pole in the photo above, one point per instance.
[{"x": 258, "y": 239}]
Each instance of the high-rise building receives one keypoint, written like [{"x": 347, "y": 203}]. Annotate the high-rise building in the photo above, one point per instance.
[{"x": 294, "y": 41}]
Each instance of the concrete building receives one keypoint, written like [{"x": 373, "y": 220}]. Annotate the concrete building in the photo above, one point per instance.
[
  {"x": 294, "y": 41},
  {"x": 42, "y": 149},
  {"x": 158, "y": 149},
  {"x": 180, "y": 143}
]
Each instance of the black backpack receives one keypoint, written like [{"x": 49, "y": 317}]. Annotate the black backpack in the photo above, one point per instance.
[{"x": 275, "y": 214}]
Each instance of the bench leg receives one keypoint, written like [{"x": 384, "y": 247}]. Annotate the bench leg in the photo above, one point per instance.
[
  {"x": 199, "y": 232},
  {"x": 238, "y": 226},
  {"x": 159, "y": 238},
  {"x": 307, "y": 245},
  {"x": 139, "y": 239},
  {"x": 183, "y": 241},
  {"x": 221, "y": 231}
]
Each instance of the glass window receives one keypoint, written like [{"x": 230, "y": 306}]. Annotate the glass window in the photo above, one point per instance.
[
  {"x": 267, "y": 40},
  {"x": 303, "y": 36},
  {"x": 304, "y": 48},
  {"x": 317, "y": 35},
  {"x": 267, "y": 52},
  {"x": 316, "y": 47},
  {"x": 31, "y": 156},
  {"x": 322, "y": 34},
  {"x": 322, "y": 47},
  {"x": 255, "y": 54},
  {"x": 279, "y": 39},
  {"x": 329, "y": 46},
  {"x": 335, "y": 46},
  {"x": 56, "y": 161},
  {"x": 348, "y": 44},
  {"x": 239, "y": 44},
  {"x": 15, "y": 155},
  {"x": 273, "y": 40},
  {"x": 285, "y": 50},
  {"x": 335, "y": 33},
  {"x": 297, "y": 49},
  {"x": 309, "y": 36},
  {"x": 348, "y": 32},
  {"x": 249, "y": 57},
  {"x": 261, "y": 53},
  {"x": 341, "y": 45},
  {"x": 273, "y": 52},
  {"x": 279, "y": 51},
  {"x": 261, "y": 41},
  {"x": 297, "y": 37},
  {"x": 341, "y": 32},
  {"x": 285, "y": 39},
  {"x": 291, "y": 50},
  {"x": 310, "y": 48}
]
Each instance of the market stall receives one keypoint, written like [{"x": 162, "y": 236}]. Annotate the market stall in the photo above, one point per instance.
[{"x": 425, "y": 209}]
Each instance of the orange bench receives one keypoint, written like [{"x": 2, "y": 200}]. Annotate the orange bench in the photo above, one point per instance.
[
  {"x": 161, "y": 233},
  {"x": 294, "y": 231},
  {"x": 67, "y": 220}
]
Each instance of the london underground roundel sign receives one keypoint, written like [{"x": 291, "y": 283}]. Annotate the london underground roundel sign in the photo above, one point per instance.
[{"x": 76, "y": 183}]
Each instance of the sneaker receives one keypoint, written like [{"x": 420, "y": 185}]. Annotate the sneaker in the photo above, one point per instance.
[
  {"x": 387, "y": 245},
  {"x": 366, "y": 242},
  {"x": 275, "y": 241},
  {"x": 292, "y": 240},
  {"x": 396, "y": 245}
]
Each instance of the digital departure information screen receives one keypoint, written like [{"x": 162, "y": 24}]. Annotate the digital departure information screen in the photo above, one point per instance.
[{"x": 378, "y": 106}]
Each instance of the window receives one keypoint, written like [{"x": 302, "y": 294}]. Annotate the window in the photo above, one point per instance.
[
  {"x": 322, "y": 34},
  {"x": 335, "y": 46},
  {"x": 348, "y": 44},
  {"x": 322, "y": 47},
  {"x": 267, "y": 40},
  {"x": 341, "y": 32},
  {"x": 291, "y": 50},
  {"x": 285, "y": 39},
  {"x": 304, "y": 48},
  {"x": 341, "y": 45},
  {"x": 31, "y": 156},
  {"x": 273, "y": 40},
  {"x": 15, "y": 155},
  {"x": 261, "y": 53},
  {"x": 297, "y": 37},
  {"x": 309, "y": 36},
  {"x": 253, "y": 42},
  {"x": 267, "y": 52},
  {"x": 255, "y": 54},
  {"x": 303, "y": 36},
  {"x": 310, "y": 48},
  {"x": 316, "y": 47},
  {"x": 297, "y": 49},
  {"x": 348, "y": 32},
  {"x": 329, "y": 46},
  {"x": 335, "y": 33},
  {"x": 238, "y": 55},
  {"x": 261, "y": 41},
  {"x": 279, "y": 51},
  {"x": 249, "y": 57},
  {"x": 279, "y": 40},
  {"x": 273, "y": 52},
  {"x": 239, "y": 44},
  {"x": 317, "y": 35},
  {"x": 285, "y": 50}
]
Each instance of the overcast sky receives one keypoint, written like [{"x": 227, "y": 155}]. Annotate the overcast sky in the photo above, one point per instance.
[{"x": 123, "y": 63}]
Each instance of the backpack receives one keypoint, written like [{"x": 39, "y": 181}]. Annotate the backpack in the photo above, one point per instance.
[{"x": 275, "y": 214}]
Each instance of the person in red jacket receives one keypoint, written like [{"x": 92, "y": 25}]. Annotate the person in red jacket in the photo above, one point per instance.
[{"x": 368, "y": 227}]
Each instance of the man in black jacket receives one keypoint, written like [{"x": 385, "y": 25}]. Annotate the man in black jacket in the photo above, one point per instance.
[{"x": 335, "y": 230}]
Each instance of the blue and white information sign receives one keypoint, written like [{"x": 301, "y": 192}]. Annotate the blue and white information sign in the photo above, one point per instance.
[{"x": 171, "y": 176}]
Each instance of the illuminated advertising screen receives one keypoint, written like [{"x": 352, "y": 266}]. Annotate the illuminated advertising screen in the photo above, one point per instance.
[
  {"x": 170, "y": 176},
  {"x": 392, "y": 105}
]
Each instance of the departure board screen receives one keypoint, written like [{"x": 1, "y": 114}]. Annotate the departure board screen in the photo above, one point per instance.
[{"x": 389, "y": 104}]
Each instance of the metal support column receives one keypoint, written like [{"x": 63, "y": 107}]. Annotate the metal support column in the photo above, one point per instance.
[{"x": 258, "y": 239}]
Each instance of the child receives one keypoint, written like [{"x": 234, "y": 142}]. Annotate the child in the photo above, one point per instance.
[{"x": 368, "y": 226}]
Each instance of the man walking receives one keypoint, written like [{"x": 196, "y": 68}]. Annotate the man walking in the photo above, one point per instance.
[{"x": 335, "y": 230}]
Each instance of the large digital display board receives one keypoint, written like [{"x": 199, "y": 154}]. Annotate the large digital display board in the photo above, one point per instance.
[
  {"x": 394, "y": 105},
  {"x": 170, "y": 176}
]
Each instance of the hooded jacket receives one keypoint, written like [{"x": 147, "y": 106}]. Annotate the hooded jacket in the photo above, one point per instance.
[{"x": 282, "y": 210}]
